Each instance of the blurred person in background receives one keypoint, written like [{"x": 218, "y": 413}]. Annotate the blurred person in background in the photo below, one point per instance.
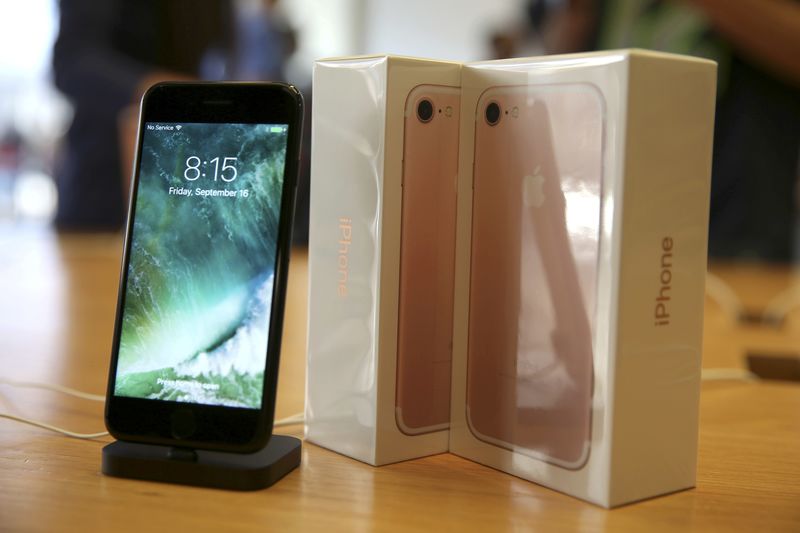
[
  {"x": 754, "y": 188},
  {"x": 108, "y": 53}
]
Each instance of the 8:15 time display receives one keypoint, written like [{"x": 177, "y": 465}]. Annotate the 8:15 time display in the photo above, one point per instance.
[{"x": 227, "y": 171}]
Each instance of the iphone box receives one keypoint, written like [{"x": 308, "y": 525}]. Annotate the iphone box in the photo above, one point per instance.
[
  {"x": 384, "y": 166},
  {"x": 583, "y": 200}
]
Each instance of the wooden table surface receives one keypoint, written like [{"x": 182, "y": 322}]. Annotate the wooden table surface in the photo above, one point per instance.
[{"x": 57, "y": 298}]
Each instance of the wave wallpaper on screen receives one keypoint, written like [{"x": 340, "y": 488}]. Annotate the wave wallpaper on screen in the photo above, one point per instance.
[{"x": 202, "y": 256}]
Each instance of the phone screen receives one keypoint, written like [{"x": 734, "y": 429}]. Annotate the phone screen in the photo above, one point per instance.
[{"x": 202, "y": 261}]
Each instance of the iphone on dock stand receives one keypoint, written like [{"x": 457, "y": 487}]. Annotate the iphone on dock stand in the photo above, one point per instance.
[{"x": 194, "y": 366}]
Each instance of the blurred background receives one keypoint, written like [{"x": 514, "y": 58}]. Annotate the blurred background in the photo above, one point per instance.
[
  {"x": 71, "y": 74},
  {"x": 247, "y": 39}
]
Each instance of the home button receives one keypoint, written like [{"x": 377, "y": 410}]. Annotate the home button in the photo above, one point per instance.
[{"x": 183, "y": 424}]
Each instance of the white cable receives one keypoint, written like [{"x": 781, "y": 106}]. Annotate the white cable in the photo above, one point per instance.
[
  {"x": 53, "y": 387},
  {"x": 724, "y": 296},
  {"x": 727, "y": 374},
  {"x": 782, "y": 304},
  {"x": 290, "y": 420},
  {"x": 57, "y": 429},
  {"x": 293, "y": 420},
  {"x": 57, "y": 388}
]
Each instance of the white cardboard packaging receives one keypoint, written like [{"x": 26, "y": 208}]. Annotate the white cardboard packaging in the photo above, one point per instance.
[
  {"x": 634, "y": 168},
  {"x": 354, "y": 254}
]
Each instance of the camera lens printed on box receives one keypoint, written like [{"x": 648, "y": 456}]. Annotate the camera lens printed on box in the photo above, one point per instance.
[{"x": 199, "y": 289}]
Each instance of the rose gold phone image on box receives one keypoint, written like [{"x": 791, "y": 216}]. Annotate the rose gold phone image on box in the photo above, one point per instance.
[
  {"x": 535, "y": 242},
  {"x": 427, "y": 255}
]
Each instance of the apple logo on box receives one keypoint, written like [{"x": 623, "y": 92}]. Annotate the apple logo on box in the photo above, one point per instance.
[{"x": 533, "y": 188}]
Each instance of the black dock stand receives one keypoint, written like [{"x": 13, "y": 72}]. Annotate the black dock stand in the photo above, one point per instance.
[{"x": 232, "y": 471}]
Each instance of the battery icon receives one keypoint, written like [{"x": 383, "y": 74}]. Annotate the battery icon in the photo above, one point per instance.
[{"x": 276, "y": 129}]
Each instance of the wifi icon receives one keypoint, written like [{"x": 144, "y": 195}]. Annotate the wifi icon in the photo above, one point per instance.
[{"x": 178, "y": 127}]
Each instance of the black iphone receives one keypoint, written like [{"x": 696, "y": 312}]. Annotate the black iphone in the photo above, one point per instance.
[{"x": 200, "y": 308}]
